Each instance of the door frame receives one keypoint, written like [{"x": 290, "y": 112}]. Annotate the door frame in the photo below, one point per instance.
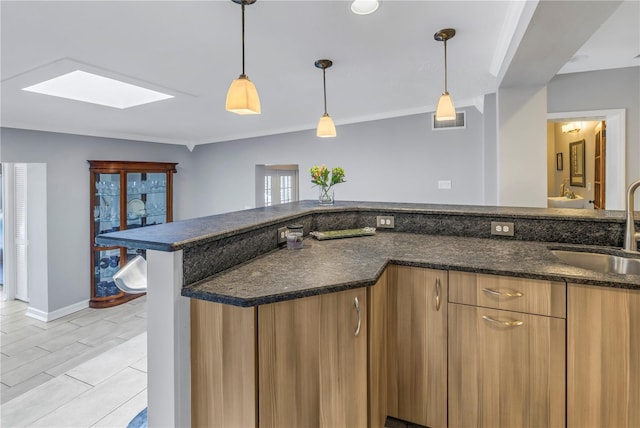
[{"x": 615, "y": 163}]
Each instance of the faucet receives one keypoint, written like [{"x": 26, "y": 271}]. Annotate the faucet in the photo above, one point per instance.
[
  {"x": 631, "y": 237},
  {"x": 563, "y": 189}
]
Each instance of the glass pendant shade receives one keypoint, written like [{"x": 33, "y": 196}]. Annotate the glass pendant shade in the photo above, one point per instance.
[
  {"x": 242, "y": 97},
  {"x": 445, "y": 109},
  {"x": 326, "y": 127}
]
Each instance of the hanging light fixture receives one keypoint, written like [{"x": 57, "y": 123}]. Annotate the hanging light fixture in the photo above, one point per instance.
[
  {"x": 326, "y": 127},
  {"x": 445, "y": 109},
  {"x": 242, "y": 97}
]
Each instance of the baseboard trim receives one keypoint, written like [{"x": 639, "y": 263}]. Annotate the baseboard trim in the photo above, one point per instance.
[{"x": 58, "y": 313}]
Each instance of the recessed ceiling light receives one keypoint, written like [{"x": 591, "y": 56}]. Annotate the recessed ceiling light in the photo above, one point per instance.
[
  {"x": 91, "y": 88},
  {"x": 364, "y": 7}
]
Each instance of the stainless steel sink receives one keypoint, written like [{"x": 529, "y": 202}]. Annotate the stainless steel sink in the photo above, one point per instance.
[{"x": 599, "y": 262}]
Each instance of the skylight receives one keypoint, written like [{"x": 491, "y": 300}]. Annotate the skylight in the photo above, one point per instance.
[{"x": 91, "y": 88}]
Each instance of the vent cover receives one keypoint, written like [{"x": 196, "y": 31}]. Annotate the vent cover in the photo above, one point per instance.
[{"x": 460, "y": 122}]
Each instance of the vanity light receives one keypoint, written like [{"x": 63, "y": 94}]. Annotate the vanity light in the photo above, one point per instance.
[
  {"x": 445, "y": 109},
  {"x": 571, "y": 127},
  {"x": 242, "y": 97},
  {"x": 364, "y": 7},
  {"x": 326, "y": 127}
]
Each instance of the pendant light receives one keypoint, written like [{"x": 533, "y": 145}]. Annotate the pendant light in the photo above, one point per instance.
[
  {"x": 326, "y": 127},
  {"x": 445, "y": 109},
  {"x": 242, "y": 97}
]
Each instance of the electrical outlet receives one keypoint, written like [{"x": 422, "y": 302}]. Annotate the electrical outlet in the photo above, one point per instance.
[
  {"x": 385, "y": 222},
  {"x": 282, "y": 235},
  {"x": 502, "y": 228}
]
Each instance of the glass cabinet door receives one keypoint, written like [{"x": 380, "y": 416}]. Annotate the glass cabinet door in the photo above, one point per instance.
[
  {"x": 105, "y": 264},
  {"x": 146, "y": 199},
  {"x": 106, "y": 206}
]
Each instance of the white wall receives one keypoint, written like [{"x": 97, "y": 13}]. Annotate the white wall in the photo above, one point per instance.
[
  {"x": 522, "y": 149},
  {"x": 65, "y": 156},
  {"x": 394, "y": 160},
  {"x": 37, "y": 234}
]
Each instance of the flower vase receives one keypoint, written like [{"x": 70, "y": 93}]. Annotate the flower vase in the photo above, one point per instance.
[{"x": 326, "y": 195}]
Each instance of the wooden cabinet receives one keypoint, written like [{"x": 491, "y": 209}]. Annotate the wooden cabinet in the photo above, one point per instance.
[
  {"x": 312, "y": 359},
  {"x": 506, "y": 368},
  {"x": 417, "y": 345},
  {"x": 224, "y": 377},
  {"x": 124, "y": 195},
  {"x": 378, "y": 328},
  {"x": 603, "y": 357}
]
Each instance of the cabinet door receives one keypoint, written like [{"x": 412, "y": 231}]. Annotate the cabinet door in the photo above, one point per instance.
[
  {"x": 417, "y": 353},
  {"x": 312, "y": 365},
  {"x": 378, "y": 327},
  {"x": 603, "y": 364},
  {"x": 223, "y": 365},
  {"x": 506, "y": 369},
  {"x": 105, "y": 261}
]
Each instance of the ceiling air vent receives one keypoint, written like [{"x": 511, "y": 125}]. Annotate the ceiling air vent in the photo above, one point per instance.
[{"x": 459, "y": 122}]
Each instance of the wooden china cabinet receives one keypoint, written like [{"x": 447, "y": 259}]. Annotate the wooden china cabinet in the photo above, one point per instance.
[{"x": 124, "y": 195}]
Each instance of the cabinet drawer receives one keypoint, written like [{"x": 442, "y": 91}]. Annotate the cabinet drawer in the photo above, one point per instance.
[{"x": 531, "y": 296}]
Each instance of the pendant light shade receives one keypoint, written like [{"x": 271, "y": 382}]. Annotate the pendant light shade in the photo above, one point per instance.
[
  {"x": 242, "y": 97},
  {"x": 326, "y": 127},
  {"x": 445, "y": 109}
]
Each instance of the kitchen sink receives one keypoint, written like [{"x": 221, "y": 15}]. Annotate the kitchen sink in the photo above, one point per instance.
[{"x": 599, "y": 262}]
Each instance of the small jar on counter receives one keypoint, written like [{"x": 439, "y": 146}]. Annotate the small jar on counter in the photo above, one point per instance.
[{"x": 294, "y": 236}]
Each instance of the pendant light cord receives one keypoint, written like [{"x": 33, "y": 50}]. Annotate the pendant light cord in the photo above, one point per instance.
[
  {"x": 445, "y": 66},
  {"x": 243, "y": 39},
  {"x": 324, "y": 85}
]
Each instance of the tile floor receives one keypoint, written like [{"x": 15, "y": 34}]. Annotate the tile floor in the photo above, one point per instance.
[{"x": 88, "y": 369}]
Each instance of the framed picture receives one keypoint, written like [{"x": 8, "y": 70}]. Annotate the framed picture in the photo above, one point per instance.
[
  {"x": 559, "y": 164},
  {"x": 576, "y": 164}
]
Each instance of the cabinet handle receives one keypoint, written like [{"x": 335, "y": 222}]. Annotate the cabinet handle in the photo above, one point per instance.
[
  {"x": 356, "y": 303},
  {"x": 503, "y": 293},
  {"x": 438, "y": 288},
  {"x": 514, "y": 323}
]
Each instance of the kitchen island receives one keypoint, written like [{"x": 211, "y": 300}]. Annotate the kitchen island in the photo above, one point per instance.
[{"x": 232, "y": 260}]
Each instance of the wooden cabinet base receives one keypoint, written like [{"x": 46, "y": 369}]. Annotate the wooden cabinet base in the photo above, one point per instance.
[
  {"x": 417, "y": 345},
  {"x": 117, "y": 299},
  {"x": 224, "y": 389},
  {"x": 603, "y": 357}
]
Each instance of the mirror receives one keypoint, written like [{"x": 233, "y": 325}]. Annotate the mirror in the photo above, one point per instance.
[{"x": 576, "y": 164}]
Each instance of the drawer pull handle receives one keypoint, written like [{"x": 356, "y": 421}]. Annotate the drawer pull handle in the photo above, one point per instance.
[
  {"x": 356, "y": 303},
  {"x": 503, "y": 293},
  {"x": 514, "y": 323},
  {"x": 438, "y": 288}
]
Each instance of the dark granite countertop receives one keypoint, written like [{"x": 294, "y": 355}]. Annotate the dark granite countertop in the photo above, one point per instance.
[
  {"x": 340, "y": 264},
  {"x": 186, "y": 233}
]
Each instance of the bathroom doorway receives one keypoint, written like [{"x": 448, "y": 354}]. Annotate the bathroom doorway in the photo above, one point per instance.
[
  {"x": 610, "y": 126},
  {"x": 572, "y": 179}
]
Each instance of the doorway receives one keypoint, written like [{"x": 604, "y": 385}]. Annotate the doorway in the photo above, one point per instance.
[
  {"x": 614, "y": 162},
  {"x": 24, "y": 233}
]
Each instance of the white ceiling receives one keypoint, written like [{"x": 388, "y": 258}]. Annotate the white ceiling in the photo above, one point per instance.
[{"x": 385, "y": 64}]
